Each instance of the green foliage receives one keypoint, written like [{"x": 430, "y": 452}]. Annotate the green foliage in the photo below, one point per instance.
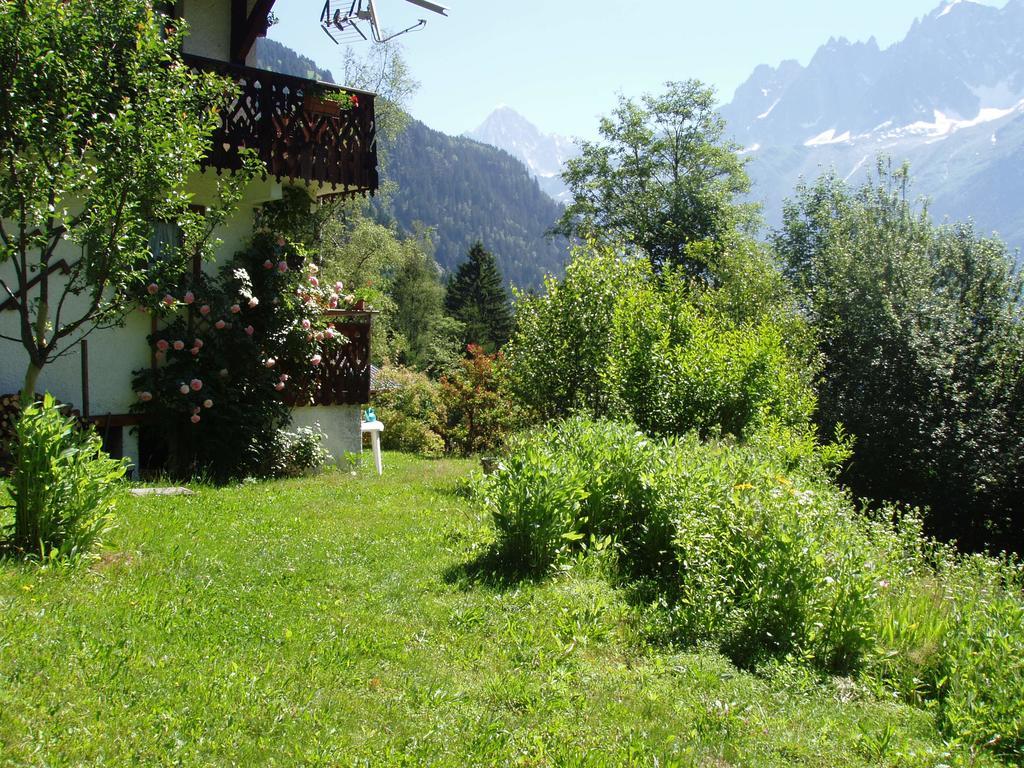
[
  {"x": 922, "y": 341},
  {"x": 298, "y": 452},
  {"x": 476, "y": 297},
  {"x": 613, "y": 339},
  {"x": 479, "y": 413},
  {"x": 412, "y": 411},
  {"x": 62, "y": 484},
  {"x": 662, "y": 178},
  {"x": 100, "y": 126},
  {"x": 751, "y": 547}
]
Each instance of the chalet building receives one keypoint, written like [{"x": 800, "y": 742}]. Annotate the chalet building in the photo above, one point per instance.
[{"x": 303, "y": 139}]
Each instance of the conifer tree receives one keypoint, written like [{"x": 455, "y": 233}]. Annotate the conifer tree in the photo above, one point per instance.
[{"x": 477, "y": 298}]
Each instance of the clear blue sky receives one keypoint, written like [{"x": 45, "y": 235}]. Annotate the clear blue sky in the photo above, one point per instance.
[{"x": 561, "y": 62}]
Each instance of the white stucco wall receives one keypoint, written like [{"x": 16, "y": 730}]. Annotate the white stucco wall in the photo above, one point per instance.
[
  {"x": 209, "y": 24},
  {"x": 339, "y": 422}
]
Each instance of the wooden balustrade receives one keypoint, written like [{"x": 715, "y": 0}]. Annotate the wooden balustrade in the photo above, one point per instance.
[
  {"x": 296, "y": 129},
  {"x": 343, "y": 376}
]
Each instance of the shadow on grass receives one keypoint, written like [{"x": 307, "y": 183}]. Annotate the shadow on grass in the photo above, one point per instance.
[{"x": 488, "y": 570}]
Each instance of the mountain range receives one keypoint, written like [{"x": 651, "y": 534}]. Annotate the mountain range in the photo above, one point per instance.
[{"x": 948, "y": 98}]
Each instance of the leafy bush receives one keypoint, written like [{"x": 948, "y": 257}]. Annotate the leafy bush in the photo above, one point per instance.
[
  {"x": 480, "y": 415},
  {"x": 669, "y": 354},
  {"x": 62, "y": 484},
  {"x": 297, "y": 452},
  {"x": 411, "y": 410},
  {"x": 751, "y": 547}
]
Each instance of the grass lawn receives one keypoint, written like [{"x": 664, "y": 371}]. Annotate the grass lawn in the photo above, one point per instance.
[{"x": 326, "y": 621}]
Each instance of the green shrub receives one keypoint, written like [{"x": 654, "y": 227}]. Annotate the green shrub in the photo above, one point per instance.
[
  {"x": 480, "y": 414},
  {"x": 296, "y": 452},
  {"x": 751, "y": 547},
  {"x": 412, "y": 412},
  {"x": 63, "y": 485}
]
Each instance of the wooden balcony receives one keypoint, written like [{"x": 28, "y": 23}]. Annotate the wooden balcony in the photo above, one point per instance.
[
  {"x": 343, "y": 376},
  {"x": 295, "y": 130}
]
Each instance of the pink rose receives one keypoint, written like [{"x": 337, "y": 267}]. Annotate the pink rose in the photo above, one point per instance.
[
  {"x": 284, "y": 377},
  {"x": 194, "y": 351},
  {"x": 270, "y": 363},
  {"x": 279, "y": 386},
  {"x": 268, "y": 264},
  {"x": 169, "y": 300},
  {"x": 204, "y": 310},
  {"x": 196, "y": 385},
  {"x": 207, "y": 403},
  {"x": 189, "y": 297},
  {"x": 339, "y": 287},
  {"x": 145, "y": 396},
  {"x": 315, "y": 359},
  {"x": 235, "y": 309},
  {"x": 183, "y": 389},
  {"x": 219, "y": 325},
  {"x": 152, "y": 288},
  {"x": 253, "y": 303},
  {"x": 179, "y": 345},
  {"x": 194, "y": 418},
  {"x": 162, "y": 345},
  {"x": 305, "y": 323},
  {"x": 280, "y": 241},
  {"x": 282, "y": 266},
  {"x": 313, "y": 281},
  {"x": 249, "y": 330},
  {"x": 198, "y": 344},
  {"x": 333, "y": 303}
]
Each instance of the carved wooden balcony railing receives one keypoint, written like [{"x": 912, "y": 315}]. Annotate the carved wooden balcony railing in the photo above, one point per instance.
[
  {"x": 296, "y": 131},
  {"x": 343, "y": 376}
]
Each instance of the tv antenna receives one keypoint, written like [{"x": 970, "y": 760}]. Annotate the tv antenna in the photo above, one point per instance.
[{"x": 348, "y": 21}]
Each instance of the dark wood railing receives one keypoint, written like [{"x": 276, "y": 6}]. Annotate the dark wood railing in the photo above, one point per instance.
[
  {"x": 343, "y": 376},
  {"x": 296, "y": 131}
]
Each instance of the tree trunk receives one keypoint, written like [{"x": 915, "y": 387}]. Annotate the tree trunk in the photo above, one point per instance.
[{"x": 28, "y": 388}]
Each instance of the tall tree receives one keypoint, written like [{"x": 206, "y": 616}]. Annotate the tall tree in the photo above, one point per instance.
[
  {"x": 100, "y": 125},
  {"x": 662, "y": 177},
  {"x": 920, "y": 331},
  {"x": 476, "y": 297}
]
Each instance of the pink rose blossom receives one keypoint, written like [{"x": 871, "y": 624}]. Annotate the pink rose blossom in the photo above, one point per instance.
[
  {"x": 249, "y": 330},
  {"x": 235, "y": 309},
  {"x": 305, "y": 323},
  {"x": 179, "y": 345},
  {"x": 253, "y": 302},
  {"x": 333, "y": 303},
  {"x": 313, "y": 281},
  {"x": 145, "y": 396},
  {"x": 169, "y": 300},
  {"x": 268, "y": 264},
  {"x": 196, "y": 385},
  {"x": 152, "y": 288},
  {"x": 219, "y": 325},
  {"x": 183, "y": 389},
  {"x": 204, "y": 310},
  {"x": 194, "y": 351},
  {"x": 282, "y": 266},
  {"x": 207, "y": 403},
  {"x": 315, "y": 359},
  {"x": 284, "y": 377},
  {"x": 195, "y": 418},
  {"x": 339, "y": 287},
  {"x": 198, "y": 344},
  {"x": 270, "y": 363},
  {"x": 189, "y": 297},
  {"x": 162, "y": 345},
  {"x": 280, "y": 241},
  {"x": 279, "y": 386}
]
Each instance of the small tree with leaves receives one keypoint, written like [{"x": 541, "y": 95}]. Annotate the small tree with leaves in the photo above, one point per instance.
[
  {"x": 477, "y": 298},
  {"x": 101, "y": 123}
]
